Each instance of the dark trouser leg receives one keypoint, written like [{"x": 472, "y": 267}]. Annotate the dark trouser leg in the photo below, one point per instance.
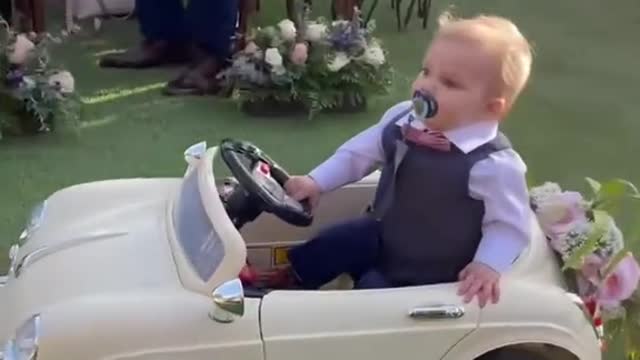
[
  {"x": 162, "y": 25},
  {"x": 350, "y": 247},
  {"x": 212, "y": 25},
  {"x": 373, "y": 279},
  {"x": 162, "y": 20}
]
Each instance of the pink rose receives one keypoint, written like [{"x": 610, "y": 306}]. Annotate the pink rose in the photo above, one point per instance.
[
  {"x": 621, "y": 283},
  {"x": 560, "y": 213},
  {"x": 299, "y": 54}
]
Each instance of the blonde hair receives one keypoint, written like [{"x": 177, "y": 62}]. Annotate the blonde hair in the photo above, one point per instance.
[{"x": 502, "y": 36}]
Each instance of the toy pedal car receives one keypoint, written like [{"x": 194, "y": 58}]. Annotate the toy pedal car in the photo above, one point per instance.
[{"x": 149, "y": 269}]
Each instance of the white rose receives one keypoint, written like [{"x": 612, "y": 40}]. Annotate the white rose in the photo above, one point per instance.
[
  {"x": 316, "y": 32},
  {"x": 64, "y": 81},
  {"x": 287, "y": 29},
  {"x": 22, "y": 48},
  {"x": 374, "y": 55},
  {"x": 272, "y": 57},
  {"x": 540, "y": 194},
  {"x": 339, "y": 61}
]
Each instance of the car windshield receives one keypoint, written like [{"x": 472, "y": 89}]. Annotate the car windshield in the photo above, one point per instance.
[{"x": 194, "y": 230}]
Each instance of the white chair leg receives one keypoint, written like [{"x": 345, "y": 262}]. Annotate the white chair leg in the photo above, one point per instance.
[{"x": 97, "y": 24}]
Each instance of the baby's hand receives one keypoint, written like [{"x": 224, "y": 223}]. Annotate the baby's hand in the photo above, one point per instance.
[
  {"x": 481, "y": 280},
  {"x": 303, "y": 187}
]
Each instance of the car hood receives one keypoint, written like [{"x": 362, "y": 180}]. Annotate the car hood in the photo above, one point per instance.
[{"x": 94, "y": 239}]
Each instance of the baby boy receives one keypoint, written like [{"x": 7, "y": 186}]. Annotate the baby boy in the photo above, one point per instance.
[{"x": 452, "y": 202}]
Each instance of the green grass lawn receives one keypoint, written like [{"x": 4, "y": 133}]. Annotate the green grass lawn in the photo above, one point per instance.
[{"x": 579, "y": 117}]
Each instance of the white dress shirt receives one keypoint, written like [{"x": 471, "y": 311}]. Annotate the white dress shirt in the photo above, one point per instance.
[{"x": 499, "y": 181}]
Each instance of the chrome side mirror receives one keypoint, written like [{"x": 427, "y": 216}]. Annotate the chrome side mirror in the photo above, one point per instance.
[{"x": 228, "y": 302}]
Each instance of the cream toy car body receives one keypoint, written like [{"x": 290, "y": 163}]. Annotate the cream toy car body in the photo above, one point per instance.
[{"x": 148, "y": 269}]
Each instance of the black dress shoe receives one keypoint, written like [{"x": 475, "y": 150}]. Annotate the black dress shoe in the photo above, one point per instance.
[{"x": 199, "y": 79}]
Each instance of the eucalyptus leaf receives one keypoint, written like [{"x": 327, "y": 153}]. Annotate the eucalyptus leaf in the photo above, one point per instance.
[
  {"x": 618, "y": 187},
  {"x": 595, "y": 186},
  {"x": 602, "y": 221}
]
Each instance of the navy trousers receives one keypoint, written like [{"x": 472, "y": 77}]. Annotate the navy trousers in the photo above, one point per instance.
[
  {"x": 351, "y": 247},
  {"x": 210, "y": 24}
]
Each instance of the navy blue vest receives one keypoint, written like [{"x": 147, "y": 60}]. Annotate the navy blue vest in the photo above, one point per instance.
[{"x": 430, "y": 226}]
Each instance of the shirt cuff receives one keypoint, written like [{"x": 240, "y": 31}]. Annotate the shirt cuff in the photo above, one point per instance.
[
  {"x": 321, "y": 179},
  {"x": 500, "y": 247},
  {"x": 327, "y": 175}
]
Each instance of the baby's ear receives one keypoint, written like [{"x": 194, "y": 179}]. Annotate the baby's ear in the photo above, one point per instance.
[{"x": 498, "y": 107}]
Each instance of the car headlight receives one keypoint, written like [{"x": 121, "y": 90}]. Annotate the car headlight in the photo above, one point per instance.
[
  {"x": 24, "y": 345},
  {"x": 35, "y": 220}
]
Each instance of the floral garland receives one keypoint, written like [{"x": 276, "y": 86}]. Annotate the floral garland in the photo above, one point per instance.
[
  {"x": 39, "y": 92},
  {"x": 592, "y": 250},
  {"x": 320, "y": 64}
]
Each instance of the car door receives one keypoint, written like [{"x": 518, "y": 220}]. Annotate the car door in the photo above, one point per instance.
[{"x": 413, "y": 323}]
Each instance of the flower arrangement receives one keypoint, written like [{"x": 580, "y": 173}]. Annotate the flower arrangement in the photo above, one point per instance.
[
  {"x": 593, "y": 252},
  {"x": 35, "y": 91},
  {"x": 311, "y": 65}
]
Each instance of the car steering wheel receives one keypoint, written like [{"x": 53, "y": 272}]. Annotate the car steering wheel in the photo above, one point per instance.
[{"x": 264, "y": 179}]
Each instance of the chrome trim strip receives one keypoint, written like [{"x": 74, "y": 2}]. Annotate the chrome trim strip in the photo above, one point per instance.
[
  {"x": 13, "y": 257},
  {"x": 38, "y": 331},
  {"x": 3, "y": 282},
  {"x": 44, "y": 251},
  {"x": 437, "y": 312},
  {"x": 35, "y": 221}
]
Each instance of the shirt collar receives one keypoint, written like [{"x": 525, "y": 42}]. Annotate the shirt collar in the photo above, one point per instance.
[{"x": 466, "y": 138}]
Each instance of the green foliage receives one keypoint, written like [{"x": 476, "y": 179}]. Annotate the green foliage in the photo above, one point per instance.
[
  {"x": 598, "y": 230},
  {"x": 37, "y": 102},
  {"x": 602, "y": 221},
  {"x": 598, "y": 234},
  {"x": 607, "y": 196}
]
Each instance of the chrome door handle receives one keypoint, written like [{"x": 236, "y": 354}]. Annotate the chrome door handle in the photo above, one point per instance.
[{"x": 437, "y": 312}]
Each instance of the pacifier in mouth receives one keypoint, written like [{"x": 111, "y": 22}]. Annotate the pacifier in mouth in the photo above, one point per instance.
[{"x": 424, "y": 105}]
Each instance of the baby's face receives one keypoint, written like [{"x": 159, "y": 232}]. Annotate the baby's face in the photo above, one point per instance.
[{"x": 461, "y": 76}]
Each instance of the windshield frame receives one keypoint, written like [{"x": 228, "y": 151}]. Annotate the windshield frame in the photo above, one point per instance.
[{"x": 235, "y": 251}]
